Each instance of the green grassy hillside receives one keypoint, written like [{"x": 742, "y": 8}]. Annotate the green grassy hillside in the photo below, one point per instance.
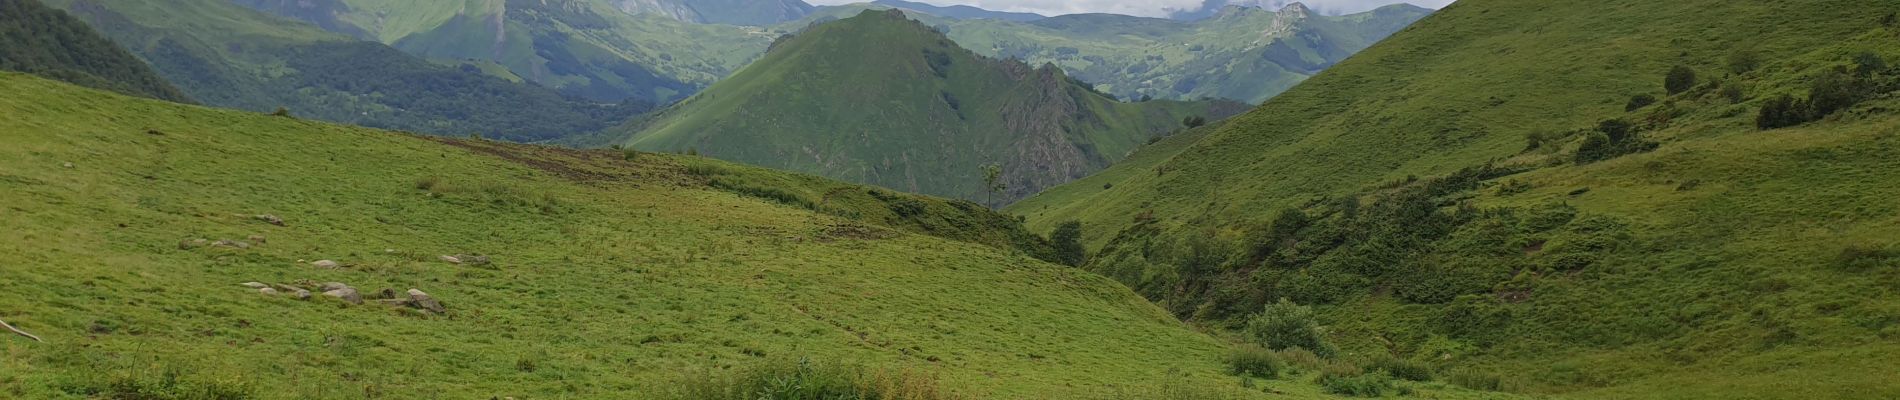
[
  {"x": 47, "y": 42},
  {"x": 607, "y": 276},
  {"x": 228, "y": 56},
  {"x": 1245, "y": 54},
  {"x": 884, "y": 100},
  {"x": 1454, "y": 195}
]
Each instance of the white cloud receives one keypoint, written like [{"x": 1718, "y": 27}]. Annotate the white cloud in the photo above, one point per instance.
[{"x": 1152, "y": 8}]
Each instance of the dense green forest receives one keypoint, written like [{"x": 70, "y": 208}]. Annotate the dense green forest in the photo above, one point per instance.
[{"x": 44, "y": 41}]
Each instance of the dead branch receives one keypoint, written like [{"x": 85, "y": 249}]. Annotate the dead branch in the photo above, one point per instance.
[{"x": 21, "y": 332}]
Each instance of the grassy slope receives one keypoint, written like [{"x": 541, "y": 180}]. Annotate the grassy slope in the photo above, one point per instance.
[
  {"x": 859, "y": 100},
  {"x": 226, "y": 55},
  {"x": 1727, "y": 290},
  {"x": 609, "y": 275},
  {"x": 1143, "y": 161},
  {"x": 44, "y": 41},
  {"x": 580, "y": 46}
]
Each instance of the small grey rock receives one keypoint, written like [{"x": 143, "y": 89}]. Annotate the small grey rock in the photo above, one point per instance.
[
  {"x": 347, "y": 294},
  {"x": 451, "y": 259},
  {"x": 329, "y": 286},
  {"x": 326, "y": 264},
  {"x": 255, "y": 285},
  {"x": 189, "y": 244},
  {"x": 424, "y": 301},
  {"x": 267, "y": 291},
  {"x": 270, "y": 219},
  {"x": 259, "y": 239}
]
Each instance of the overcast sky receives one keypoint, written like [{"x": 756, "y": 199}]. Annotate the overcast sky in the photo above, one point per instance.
[{"x": 1151, "y": 8}]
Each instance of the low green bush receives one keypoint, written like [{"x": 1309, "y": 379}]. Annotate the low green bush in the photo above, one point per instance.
[
  {"x": 1403, "y": 369},
  {"x": 1360, "y": 385},
  {"x": 1254, "y": 361},
  {"x": 1476, "y": 380}
]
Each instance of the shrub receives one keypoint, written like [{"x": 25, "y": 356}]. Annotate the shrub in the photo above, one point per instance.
[
  {"x": 1743, "y": 61},
  {"x": 1476, "y": 381},
  {"x": 1362, "y": 385},
  {"x": 1067, "y": 240},
  {"x": 1285, "y": 325},
  {"x": 1613, "y": 138},
  {"x": 1867, "y": 64},
  {"x": 1637, "y": 102},
  {"x": 281, "y": 112},
  {"x": 1832, "y": 91},
  {"x": 1781, "y": 112},
  {"x": 1534, "y": 140},
  {"x": 1733, "y": 92},
  {"x": 1254, "y": 361},
  {"x": 1403, "y": 369},
  {"x": 1680, "y": 79},
  {"x": 1194, "y": 121},
  {"x": 803, "y": 380},
  {"x": 1303, "y": 358},
  {"x": 629, "y": 154}
]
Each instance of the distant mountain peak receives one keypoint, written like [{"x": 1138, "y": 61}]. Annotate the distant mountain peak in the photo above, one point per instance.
[{"x": 1297, "y": 9}]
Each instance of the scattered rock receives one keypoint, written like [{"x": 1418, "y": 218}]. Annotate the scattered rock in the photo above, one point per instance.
[
  {"x": 297, "y": 292},
  {"x": 473, "y": 259},
  {"x": 67, "y": 165},
  {"x": 270, "y": 219},
  {"x": 259, "y": 239},
  {"x": 255, "y": 285},
  {"x": 347, "y": 294},
  {"x": 232, "y": 243},
  {"x": 451, "y": 259},
  {"x": 329, "y": 286},
  {"x": 421, "y": 300},
  {"x": 325, "y": 264},
  {"x": 189, "y": 244},
  {"x": 268, "y": 291}
]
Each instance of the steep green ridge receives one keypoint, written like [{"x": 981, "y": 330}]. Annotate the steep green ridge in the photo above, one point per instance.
[
  {"x": 1245, "y": 54},
  {"x": 607, "y": 276},
  {"x": 46, "y": 42},
  {"x": 1699, "y": 257},
  {"x": 884, "y": 100},
  {"x": 229, "y": 56},
  {"x": 599, "y": 49}
]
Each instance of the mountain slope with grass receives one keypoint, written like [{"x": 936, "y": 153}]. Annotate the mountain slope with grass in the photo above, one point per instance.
[
  {"x": 882, "y": 99},
  {"x": 1621, "y": 199},
  {"x": 134, "y": 226},
  {"x": 1245, "y": 54},
  {"x": 597, "y": 49},
  {"x": 226, "y": 55},
  {"x": 44, "y": 41},
  {"x": 959, "y": 11}
]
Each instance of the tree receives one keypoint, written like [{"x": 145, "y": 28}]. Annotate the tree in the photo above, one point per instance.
[
  {"x": 993, "y": 179},
  {"x": 1195, "y": 121},
  {"x": 1832, "y": 91},
  {"x": 1067, "y": 239},
  {"x": 1285, "y": 325},
  {"x": 1680, "y": 79},
  {"x": 1780, "y": 112}
]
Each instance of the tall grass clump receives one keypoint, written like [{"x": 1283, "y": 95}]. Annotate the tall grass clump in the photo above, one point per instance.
[
  {"x": 1251, "y": 360},
  {"x": 806, "y": 380},
  {"x": 1403, "y": 369}
]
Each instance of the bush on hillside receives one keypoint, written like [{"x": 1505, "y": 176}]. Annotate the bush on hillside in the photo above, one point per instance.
[
  {"x": 1733, "y": 92},
  {"x": 1744, "y": 61},
  {"x": 1680, "y": 79},
  {"x": 1867, "y": 64},
  {"x": 1251, "y": 360},
  {"x": 1302, "y": 358},
  {"x": 1195, "y": 121},
  {"x": 1637, "y": 102},
  {"x": 1067, "y": 239},
  {"x": 1403, "y": 369},
  {"x": 1613, "y": 138},
  {"x": 1831, "y": 92},
  {"x": 1360, "y": 385},
  {"x": 1286, "y": 325},
  {"x": 1781, "y": 112}
]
